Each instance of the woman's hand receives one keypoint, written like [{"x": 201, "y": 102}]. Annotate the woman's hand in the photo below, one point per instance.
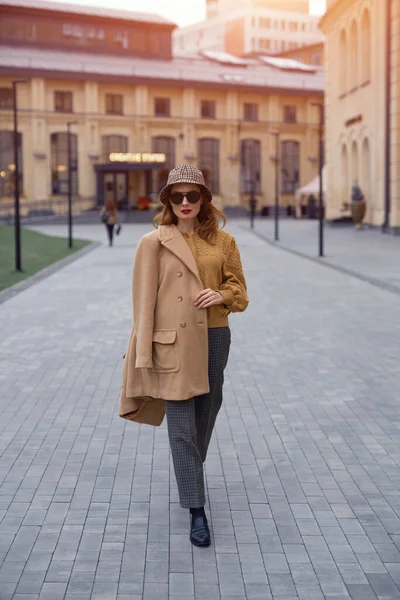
[{"x": 207, "y": 298}]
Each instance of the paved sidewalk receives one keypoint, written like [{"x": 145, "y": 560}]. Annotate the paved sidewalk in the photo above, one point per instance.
[
  {"x": 367, "y": 253},
  {"x": 303, "y": 473}
]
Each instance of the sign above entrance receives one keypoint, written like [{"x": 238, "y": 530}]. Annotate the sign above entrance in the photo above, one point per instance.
[{"x": 138, "y": 157}]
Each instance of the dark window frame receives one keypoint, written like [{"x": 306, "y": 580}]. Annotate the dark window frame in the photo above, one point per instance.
[
  {"x": 158, "y": 104},
  {"x": 208, "y": 109},
  {"x": 114, "y": 104},
  {"x": 209, "y": 162},
  {"x": 163, "y": 144},
  {"x": 6, "y": 98},
  {"x": 290, "y": 113},
  {"x": 251, "y": 112},
  {"x": 290, "y": 166},
  {"x": 59, "y": 158},
  {"x": 250, "y": 166},
  {"x": 63, "y": 101},
  {"x": 7, "y": 178},
  {"x": 113, "y": 143}
]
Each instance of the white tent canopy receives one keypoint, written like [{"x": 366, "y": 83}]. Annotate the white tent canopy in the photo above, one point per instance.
[{"x": 313, "y": 186}]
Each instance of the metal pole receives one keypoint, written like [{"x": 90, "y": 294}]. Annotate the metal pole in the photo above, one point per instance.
[
  {"x": 321, "y": 188},
  {"x": 69, "y": 187},
  {"x": 276, "y": 186},
  {"x": 17, "y": 222},
  {"x": 69, "y": 183},
  {"x": 386, "y": 222}
]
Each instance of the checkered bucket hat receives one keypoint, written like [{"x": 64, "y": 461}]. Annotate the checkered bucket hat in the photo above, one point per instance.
[{"x": 185, "y": 174}]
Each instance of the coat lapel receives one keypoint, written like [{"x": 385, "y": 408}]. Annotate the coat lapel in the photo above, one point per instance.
[{"x": 171, "y": 238}]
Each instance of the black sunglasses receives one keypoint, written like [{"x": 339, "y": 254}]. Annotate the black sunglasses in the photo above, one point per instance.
[{"x": 192, "y": 197}]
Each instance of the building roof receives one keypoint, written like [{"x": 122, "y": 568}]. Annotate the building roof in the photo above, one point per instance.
[
  {"x": 94, "y": 11},
  {"x": 180, "y": 72}
]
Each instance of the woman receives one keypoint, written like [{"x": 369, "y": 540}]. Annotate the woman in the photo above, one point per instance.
[
  {"x": 187, "y": 278},
  {"x": 110, "y": 218}
]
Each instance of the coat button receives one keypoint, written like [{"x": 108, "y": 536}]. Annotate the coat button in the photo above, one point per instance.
[
  {"x": 183, "y": 324},
  {"x": 180, "y": 298},
  {"x": 180, "y": 273}
]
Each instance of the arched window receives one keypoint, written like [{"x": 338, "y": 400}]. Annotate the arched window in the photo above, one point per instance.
[
  {"x": 164, "y": 145},
  {"x": 208, "y": 162},
  {"x": 7, "y": 166},
  {"x": 354, "y": 163},
  {"x": 290, "y": 167},
  {"x": 59, "y": 163},
  {"x": 353, "y": 55},
  {"x": 366, "y": 46},
  {"x": 343, "y": 62},
  {"x": 113, "y": 143},
  {"x": 250, "y": 161},
  {"x": 345, "y": 198}
]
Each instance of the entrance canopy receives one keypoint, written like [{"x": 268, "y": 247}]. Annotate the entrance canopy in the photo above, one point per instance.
[{"x": 312, "y": 188}]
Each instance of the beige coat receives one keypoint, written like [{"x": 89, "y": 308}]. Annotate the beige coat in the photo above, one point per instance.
[{"x": 167, "y": 356}]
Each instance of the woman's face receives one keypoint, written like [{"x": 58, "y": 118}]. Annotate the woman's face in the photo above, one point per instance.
[{"x": 186, "y": 210}]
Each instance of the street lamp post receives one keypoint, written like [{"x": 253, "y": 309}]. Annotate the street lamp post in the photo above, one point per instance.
[
  {"x": 17, "y": 217},
  {"x": 69, "y": 183},
  {"x": 320, "y": 167},
  {"x": 277, "y": 162}
]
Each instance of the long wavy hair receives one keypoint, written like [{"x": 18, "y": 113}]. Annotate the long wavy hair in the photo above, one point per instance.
[
  {"x": 111, "y": 206},
  {"x": 210, "y": 219}
]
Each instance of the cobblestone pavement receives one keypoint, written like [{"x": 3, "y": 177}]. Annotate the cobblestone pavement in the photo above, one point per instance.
[
  {"x": 367, "y": 253},
  {"x": 303, "y": 472}
]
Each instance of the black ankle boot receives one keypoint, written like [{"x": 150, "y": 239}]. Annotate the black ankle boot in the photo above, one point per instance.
[{"x": 199, "y": 532}]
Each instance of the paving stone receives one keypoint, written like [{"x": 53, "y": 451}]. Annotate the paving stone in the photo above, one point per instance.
[{"x": 303, "y": 487}]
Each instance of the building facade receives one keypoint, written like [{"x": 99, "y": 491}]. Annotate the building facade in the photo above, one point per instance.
[
  {"x": 245, "y": 28},
  {"x": 362, "y": 106},
  {"x": 134, "y": 112},
  {"x": 309, "y": 55},
  {"x": 218, "y": 7}
]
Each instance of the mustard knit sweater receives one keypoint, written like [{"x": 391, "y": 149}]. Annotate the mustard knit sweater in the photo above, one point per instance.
[{"x": 220, "y": 269}]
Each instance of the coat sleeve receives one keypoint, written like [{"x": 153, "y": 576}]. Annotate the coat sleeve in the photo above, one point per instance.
[
  {"x": 144, "y": 293},
  {"x": 233, "y": 288}
]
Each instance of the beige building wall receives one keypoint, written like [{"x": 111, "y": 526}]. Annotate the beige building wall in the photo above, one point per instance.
[
  {"x": 37, "y": 121},
  {"x": 355, "y": 61}
]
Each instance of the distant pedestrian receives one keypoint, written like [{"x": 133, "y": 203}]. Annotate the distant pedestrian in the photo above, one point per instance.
[
  {"x": 187, "y": 278},
  {"x": 110, "y": 218}
]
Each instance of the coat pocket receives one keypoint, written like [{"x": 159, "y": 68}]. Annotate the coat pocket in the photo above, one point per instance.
[{"x": 165, "y": 351}]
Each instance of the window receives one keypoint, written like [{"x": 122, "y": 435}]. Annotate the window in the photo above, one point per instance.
[
  {"x": 250, "y": 163},
  {"x": 290, "y": 167},
  {"x": 6, "y": 98},
  {"x": 208, "y": 162},
  {"x": 265, "y": 23},
  {"x": 353, "y": 55},
  {"x": 250, "y": 111},
  {"x": 7, "y": 165},
  {"x": 289, "y": 114},
  {"x": 164, "y": 145},
  {"x": 114, "y": 104},
  {"x": 59, "y": 163},
  {"x": 342, "y": 60},
  {"x": 208, "y": 109},
  {"x": 366, "y": 46},
  {"x": 162, "y": 107},
  {"x": 113, "y": 143},
  {"x": 63, "y": 102}
]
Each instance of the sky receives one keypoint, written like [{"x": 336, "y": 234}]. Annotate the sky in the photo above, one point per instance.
[{"x": 181, "y": 12}]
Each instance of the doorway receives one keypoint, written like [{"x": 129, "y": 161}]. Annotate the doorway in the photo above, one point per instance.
[{"x": 116, "y": 188}]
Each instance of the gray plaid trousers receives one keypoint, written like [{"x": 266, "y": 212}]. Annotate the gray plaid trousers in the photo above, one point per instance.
[{"x": 191, "y": 423}]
